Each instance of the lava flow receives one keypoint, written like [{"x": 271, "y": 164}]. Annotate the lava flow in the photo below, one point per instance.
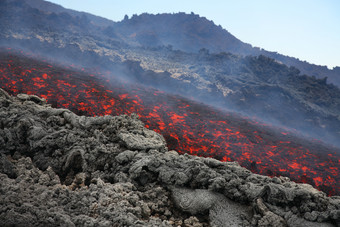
[{"x": 188, "y": 127}]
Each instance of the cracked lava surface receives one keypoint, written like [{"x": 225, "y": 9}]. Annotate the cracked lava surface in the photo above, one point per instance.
[{"x": 187, "y": 126}]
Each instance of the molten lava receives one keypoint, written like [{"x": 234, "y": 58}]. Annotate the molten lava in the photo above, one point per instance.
[{"x": 188, "y": 127}]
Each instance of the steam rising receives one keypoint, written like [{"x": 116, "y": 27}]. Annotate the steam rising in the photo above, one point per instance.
[
  {"x": 188, "y": 127},
  {"x": 123, "y": 73}
]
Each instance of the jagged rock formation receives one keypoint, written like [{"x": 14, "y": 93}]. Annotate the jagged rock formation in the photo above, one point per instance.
[
  {"x": 161, "y": 29},
  {"x": 256, "y": 86},
  {"x": 57, "y": 168}
]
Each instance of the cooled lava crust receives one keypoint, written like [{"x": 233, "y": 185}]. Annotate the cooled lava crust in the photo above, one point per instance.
[{"x": 187, "y": 126}]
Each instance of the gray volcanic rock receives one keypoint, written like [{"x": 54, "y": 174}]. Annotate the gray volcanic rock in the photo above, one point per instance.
[
  {"x": 57, "y": 168},
  {"x": 221, "y": 209},
  {"x": 147, "y": 140},
  {"x": 138, "y": 49}
]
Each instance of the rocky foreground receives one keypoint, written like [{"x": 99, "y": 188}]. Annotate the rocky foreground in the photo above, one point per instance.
[{"x": 57, "y": 168}]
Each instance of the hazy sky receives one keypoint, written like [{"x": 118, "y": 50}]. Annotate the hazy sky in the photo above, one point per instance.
[{"x": 306, "y": 29}]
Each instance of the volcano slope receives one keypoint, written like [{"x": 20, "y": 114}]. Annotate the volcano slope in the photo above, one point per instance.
[
  {"x": 187, "y": 126},
  {"x": 256, "y": 86},
  {"x": 58, "y": 168}
]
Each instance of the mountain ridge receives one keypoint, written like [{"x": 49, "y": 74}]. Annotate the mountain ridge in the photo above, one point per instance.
[
  {"x": 216, "y": 39},
  {"x": 245, "y": 84},
  {"x": 55, "y": 8},
  {"x": 217, "y": 42}
]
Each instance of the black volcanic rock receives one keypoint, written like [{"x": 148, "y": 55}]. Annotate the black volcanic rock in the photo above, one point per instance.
[
  {"x": 57, "y": 168},
  {"x": 256, "y": 86},
  {"x": 54, "y": 8},
  {"x": 190, "y": 33},
  {"x": 186, "y": 32}
]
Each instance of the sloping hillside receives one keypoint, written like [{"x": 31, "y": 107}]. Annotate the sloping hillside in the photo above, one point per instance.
[
  {"x": 187, "y": 32},
  {"x": 255, "y": 86},
  {"x": 58, "y": 168},
  {"x": 190, "y": 32}
]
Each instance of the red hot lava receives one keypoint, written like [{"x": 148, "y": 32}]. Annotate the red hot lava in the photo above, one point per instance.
[{"x": 187, "y": 126}]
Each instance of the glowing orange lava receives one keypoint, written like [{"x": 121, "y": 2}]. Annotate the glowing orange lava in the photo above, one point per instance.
[{"x": 187, "y": 126}]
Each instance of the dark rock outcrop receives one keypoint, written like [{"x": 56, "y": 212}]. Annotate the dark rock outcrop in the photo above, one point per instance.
[
  {"x": 57, "y": 168},
  {"x": 138, "y": 49}
]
